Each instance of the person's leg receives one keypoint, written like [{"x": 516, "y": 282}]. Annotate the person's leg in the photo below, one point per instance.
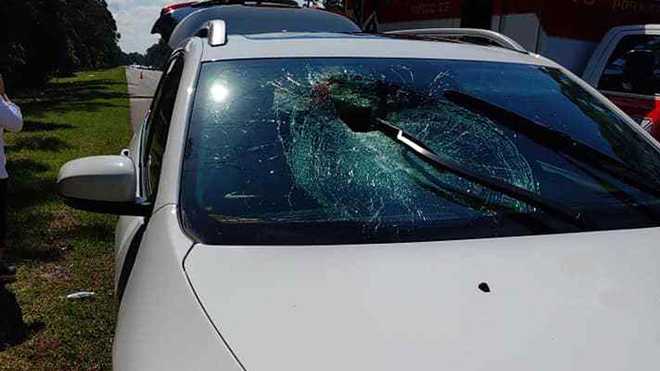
[{"x": 7, "y": 272}]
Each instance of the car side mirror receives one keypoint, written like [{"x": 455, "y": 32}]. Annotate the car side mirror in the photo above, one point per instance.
[{"x": 102, "y": 184}]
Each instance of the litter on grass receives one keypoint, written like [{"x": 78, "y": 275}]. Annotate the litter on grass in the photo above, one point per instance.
[{"x": 81, "y": 295}]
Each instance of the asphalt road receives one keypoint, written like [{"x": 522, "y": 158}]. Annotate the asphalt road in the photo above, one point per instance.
[{"x": 141, "y": 88}]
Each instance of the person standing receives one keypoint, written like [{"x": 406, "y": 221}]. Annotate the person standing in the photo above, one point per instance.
[{"x": 11, "y": 119}]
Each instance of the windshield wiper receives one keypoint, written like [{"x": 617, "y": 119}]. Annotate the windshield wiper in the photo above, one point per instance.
[
  {"x": 519, "y": 193},
  {"x": 555, "y": 140},
  {"x": 360, "y": 119}
]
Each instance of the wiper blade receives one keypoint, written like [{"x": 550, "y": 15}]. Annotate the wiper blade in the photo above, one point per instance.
[
  {"x": 433, "y": 159},
  {"x": 555, "y": 140},
  {"x": 535, "y": 222},
  {"x": 362, "y": 118}
]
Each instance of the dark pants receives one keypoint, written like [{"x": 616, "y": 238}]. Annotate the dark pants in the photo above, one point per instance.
[{"x": 3, "y": 212}]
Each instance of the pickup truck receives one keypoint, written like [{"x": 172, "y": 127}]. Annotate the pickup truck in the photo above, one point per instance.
[{"x": 626, "y": 68}]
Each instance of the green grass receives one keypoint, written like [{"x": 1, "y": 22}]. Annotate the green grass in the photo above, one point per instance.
[{"x": 59, "y": 250}]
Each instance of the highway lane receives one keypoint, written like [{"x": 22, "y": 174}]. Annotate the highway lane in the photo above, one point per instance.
[{"x": 142, "y": 85}]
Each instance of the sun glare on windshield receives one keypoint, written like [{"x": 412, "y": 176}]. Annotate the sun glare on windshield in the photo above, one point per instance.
[{"x": 219, "y": 92}]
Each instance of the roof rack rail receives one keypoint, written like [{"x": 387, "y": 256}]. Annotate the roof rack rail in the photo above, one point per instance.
[
  {"x": 486, "y": 37},
  {"x": 217, "y": 32}
]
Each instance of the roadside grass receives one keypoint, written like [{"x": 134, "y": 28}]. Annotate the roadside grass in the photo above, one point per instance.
[{"x": 59, "y": 250}]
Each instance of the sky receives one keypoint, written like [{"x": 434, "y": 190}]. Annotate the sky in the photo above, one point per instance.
[{"x": 135, "y": 19}]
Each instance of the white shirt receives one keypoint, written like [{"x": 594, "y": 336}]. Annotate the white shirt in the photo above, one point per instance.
[{"x": 10, "y": 119}]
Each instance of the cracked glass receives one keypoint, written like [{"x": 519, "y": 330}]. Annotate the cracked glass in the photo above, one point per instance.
[{"x": 270, "y": 161}]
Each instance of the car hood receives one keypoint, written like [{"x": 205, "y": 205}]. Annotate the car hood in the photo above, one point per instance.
[{"x": 588, "y": 301}]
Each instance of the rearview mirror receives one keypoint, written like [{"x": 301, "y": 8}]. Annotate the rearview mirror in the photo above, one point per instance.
[{"x": 102, "y": 184}]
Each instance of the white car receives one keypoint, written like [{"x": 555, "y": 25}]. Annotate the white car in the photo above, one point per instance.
[{"x": 325, "y": 202}]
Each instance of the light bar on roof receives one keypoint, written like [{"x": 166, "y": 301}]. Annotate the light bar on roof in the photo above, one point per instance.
[{"x": 172, "y": 7}]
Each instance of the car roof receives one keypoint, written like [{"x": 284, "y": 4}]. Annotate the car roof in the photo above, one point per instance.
[
  {"x": 247, "y": 19},
  {"x": 327, "y": 45}
]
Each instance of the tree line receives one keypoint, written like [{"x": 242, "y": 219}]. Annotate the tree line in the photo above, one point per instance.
[
  {"x": 43, "y": 38},
  {"x": 155, "y": 56}
]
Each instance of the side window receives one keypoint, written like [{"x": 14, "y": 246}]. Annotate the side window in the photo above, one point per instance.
[
  {"x": 634, "y": 66},
  {"x": 158, "y": 126}
]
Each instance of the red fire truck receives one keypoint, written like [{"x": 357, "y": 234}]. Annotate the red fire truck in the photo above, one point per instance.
[{"x": 613, "y": 44}]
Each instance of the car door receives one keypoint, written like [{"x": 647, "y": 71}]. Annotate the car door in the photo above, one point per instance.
[
  {"x": 149, "y": 143},
  {"x": 629, "y": 75}
]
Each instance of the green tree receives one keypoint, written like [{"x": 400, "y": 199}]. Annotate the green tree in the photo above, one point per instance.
[
  {"x": 133, "y": 58},
  {"x": 158, "y": 54},
  {"x": 39, "y": 38}
]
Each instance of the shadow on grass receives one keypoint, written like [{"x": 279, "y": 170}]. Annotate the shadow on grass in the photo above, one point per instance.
[
  {"x": 37, "y": 126},
  {"x": 38, "y": 143},
  {"x": 53, "y": 87},
  {"x": 13, "y": 330},
  {"x": 23, "y": 167},
  {"x": 29, "y": 231},
  {"x": 40, "y": 235},
  {"x": 27, "y": 186},
  {"x": 78, "y": 96},
  {"x": 94, "y": 231},
  {"x": 33, "y": 235}
]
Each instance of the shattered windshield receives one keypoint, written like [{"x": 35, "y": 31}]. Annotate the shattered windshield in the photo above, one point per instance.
[{"x": 269, "y": 160}]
